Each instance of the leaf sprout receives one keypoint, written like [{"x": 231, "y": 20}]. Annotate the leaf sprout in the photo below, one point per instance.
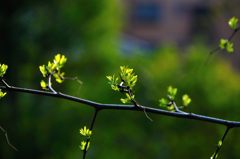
[
  {"x": 186, "y": 100},
  {"x": 2, "y": 94},
  {"x": 233, "y": 23},
  {"x": 3, "y": 70},
  {"x": 83, "y": 145},
  {"x": 53, "y": 69},
  {"x": 227, "y": 45},
  {"x": 169, "y": 102},
  {"x": 85, "y": 132},
  {"x": 124, "y": 83}
]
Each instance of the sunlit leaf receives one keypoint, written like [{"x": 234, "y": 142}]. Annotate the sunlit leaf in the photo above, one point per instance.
[
  {"x": 229, "y": 47},
  {"x": 85, "y": 131},
  {"x": 43, "y": 84},
  {"x": 2, "y": 94},
  {"x": 219, "y": 143},
  {"x": 3, "y": 69},
  {"x": 222, "y": 43},
  {"x": 186, "y": 100},
  {"x": 163, "y": 102},
  {"x": 233, "y": 23},
  {"x": 172, "y": 92},
  {"x": 83, "y": 145}
]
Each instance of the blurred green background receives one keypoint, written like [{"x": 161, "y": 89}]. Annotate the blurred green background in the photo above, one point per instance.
[{"x": 89, "y": 33}]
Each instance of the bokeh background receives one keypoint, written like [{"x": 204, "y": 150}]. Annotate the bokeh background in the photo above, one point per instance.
[{"x": 166, "y": 42}]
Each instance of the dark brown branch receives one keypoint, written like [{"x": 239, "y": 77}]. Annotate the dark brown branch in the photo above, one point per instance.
[
  {"x": 91, "y": 128},
  {"x": 100, "y": 106},
  {"x": 219, "y": 146},
  {"x": 233, "y": 34}
]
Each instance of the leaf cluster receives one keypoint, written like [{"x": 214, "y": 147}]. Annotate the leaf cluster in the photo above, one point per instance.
[
  {"x": 169, "y": 102},
  {"x": 2, "y": 94},
  {"x": 124, "y": 83},
  {"x": 226, "y": 44},
  {"x": 233, "y": 23},
  {"x": 3, "y": 69},
  {"x": 86, "y": 133},
  {"x": 53, "y": 69}
]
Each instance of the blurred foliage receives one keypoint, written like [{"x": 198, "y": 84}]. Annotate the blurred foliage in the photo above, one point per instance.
[{"x": 87, "y": 32}]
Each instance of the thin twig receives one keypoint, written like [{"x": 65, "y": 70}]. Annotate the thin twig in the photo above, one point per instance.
[
  {"x": 128, "y": 90},
  {"x": 91, "y": 128},
  {"x": 139, "y": 106},
  {"x": 230, "y": 38},
  {"x": 7, "y": 139},
  {"x": 74, "y": 79},
  {"x": 219, "y": 146},
  {"x": 233, "y": 34}
]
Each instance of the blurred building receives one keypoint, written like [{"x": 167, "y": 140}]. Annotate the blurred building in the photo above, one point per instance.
[{"x": 150, "y": 23}]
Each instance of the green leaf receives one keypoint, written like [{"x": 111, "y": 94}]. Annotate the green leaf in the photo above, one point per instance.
[
  {"x": 219, "y": 143},
  {"x": 128, "y": 98},
  {"x": 222, "y": 43},
  {"x": 229, "y": 47},
  {"x": 43, "y": 70},
  {"x": 57, "y": 58},
  {"x": 186, "y": 100},
  {"x": 214, "y": 154},
  {"x": 124, "y": 100},
  {"x": 3, "y": 69},
  {"x": 53, "y": 69},
  {"x": 226, "y": 44},
  {"x": 59, "y": 80},
  {"x": 43, "y": 84},
  {"x": 128, "y": 76},
  {"x": 124, "y": 83},
  {"x": 171, "y": 107},
  {"x": 163, "y": 102},
  {"x": 109, "y": 78},
  {"x": 58, "y": 77},
  {"x": 233, "y": 23},
  {"x": 2, "y": 94},
  {"x": 60, "y": 60},
  {"x": 172, "y": 92},
  {"x": 85, "y": 131},
  {"x": 83, "y": 145},
  {"x": 113, "y": 81},
  {"x": 63, "y": 60}
]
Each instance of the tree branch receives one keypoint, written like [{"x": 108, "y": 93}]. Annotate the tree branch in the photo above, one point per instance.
[
  {"x": 220, "y": 143},
  {"x": 100, "y": 106},
  {"x": 229, "y": 39},
  {"x": 8, "y": 141},
  {"x": 91, "y": 128}
]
